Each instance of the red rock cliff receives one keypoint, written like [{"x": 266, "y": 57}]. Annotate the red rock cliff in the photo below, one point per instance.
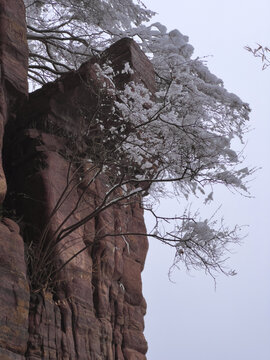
[{"x": 94, "y": 307}]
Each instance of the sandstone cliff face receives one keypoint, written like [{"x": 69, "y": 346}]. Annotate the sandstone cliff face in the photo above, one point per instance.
[
  {"x": 14, "y": 292},
  {"x": 93, "y": 308},
  {"x": 13, "y": 67}
]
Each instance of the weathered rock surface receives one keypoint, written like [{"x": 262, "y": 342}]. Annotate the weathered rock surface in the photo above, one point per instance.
[
  {"x": 14, "y": 294},
  {"x": 94, "y": 307},
  {"x": 13, "y": 68},
  {"x": 14, "y": 289},
  {"x": 127, "y": 51}
]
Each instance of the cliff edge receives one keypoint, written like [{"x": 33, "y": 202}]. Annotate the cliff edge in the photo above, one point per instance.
[{"x": 73, "y": 294}]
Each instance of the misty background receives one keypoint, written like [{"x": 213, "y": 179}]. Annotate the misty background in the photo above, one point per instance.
[{"x": 188, "y": 318}]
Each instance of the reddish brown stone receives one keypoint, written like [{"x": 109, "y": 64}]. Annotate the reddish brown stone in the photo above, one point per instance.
[
  {"x": 13, "y": 68},
  {"x": 131, "y": 354},
  {"x": 13, "y": 45},
  {"x": 14, "y": 294},
  {"x": 10, "y": 355},
  {"x": 134, "y": 339},
  {"x": 127, "y": 51},
  {"x": 93, "y": 308}
]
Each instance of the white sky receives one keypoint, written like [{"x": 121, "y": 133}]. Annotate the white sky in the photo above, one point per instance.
[{"x": 189, "y": 320}]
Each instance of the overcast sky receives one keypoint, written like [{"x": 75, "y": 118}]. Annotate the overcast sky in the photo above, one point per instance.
[{"x": 189, "y": 319}]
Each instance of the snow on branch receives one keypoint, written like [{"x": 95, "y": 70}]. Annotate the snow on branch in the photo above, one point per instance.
[{"x": 183, "y": 134}]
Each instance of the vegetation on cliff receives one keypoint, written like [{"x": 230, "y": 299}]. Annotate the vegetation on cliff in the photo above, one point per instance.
[{"x": 182, "y": 133}]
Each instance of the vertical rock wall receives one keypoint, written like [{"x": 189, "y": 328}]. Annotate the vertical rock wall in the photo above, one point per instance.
[
  {"x": 95, "y": 308},
  {"x": 13, "y": 67},
  {"x": 14, "y": 290}
]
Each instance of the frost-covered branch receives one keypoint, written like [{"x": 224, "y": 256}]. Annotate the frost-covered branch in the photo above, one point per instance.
[
  {"x": 261, "y": 52},
  {"x": 184, "y": 134},
  {"x": 77, "y": 29}
]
